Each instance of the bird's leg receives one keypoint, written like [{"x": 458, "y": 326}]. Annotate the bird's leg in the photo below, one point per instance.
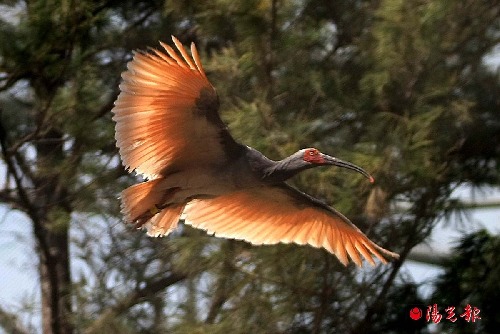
[{"x": 156, "y": 208}]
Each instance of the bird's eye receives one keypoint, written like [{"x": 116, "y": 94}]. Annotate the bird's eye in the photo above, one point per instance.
[{"x": 313, "y": 152}]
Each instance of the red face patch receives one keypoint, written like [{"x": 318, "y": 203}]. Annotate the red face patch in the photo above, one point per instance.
[{"x": 312, "y": 155}]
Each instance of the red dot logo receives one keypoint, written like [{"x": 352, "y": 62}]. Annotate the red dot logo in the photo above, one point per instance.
[{"x": 415, "y": 313}]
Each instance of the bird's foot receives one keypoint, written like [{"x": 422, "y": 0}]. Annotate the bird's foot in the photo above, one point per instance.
[
  {"x": 155, "y": 209},
  {"x": 142, "y": 219}
]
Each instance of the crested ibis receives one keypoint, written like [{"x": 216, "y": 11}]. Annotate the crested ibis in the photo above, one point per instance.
[{"x": 169, "y": 130}]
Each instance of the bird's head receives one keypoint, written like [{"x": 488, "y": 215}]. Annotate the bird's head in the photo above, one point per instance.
[{"x": 314, "y": 157}]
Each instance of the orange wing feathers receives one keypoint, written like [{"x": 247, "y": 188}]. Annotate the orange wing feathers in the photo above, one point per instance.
[
  {"x": 155, "y": 113},
  {"x": 268, "y": 215}
]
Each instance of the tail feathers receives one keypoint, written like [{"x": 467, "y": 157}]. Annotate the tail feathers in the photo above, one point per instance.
[
  {"x": 144, "y": 204},
  {"x": 165, "y": 221}
]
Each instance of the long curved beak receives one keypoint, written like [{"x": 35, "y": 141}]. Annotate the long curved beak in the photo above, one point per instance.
[{"x": 341, "y": 163}]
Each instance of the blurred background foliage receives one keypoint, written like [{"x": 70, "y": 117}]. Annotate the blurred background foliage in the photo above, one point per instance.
[{"x": 398, "y": 87}]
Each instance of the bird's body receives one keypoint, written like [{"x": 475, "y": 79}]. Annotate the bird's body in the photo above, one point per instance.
[{"x": 169, "y": 130}]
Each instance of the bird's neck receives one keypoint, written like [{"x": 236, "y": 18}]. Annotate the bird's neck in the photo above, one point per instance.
[
  {"x": 282, "y": 170},
  {"x": 270, "y": 171}
]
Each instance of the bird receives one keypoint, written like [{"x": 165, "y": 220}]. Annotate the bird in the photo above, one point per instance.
[{"x": 169, "y": 131}]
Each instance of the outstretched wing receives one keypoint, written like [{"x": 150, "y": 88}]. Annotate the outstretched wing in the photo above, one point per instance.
[
  {"x": 272, "y": 214},
  {"x": 167, "y": 114}
]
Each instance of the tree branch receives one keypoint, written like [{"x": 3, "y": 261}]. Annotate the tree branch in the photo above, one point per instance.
[
  {"x": 23, "y": 196},
  {"x": 134, "y": 298},
  {"x": 10, "y": 323}
]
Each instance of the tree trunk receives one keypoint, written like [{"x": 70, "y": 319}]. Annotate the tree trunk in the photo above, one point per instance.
[
  {"x": 51, "y": 228},
  {"x": 55, "y": 279}
]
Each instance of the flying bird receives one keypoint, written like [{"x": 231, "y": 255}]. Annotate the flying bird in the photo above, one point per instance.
[{"x": 168, "y": 129}]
